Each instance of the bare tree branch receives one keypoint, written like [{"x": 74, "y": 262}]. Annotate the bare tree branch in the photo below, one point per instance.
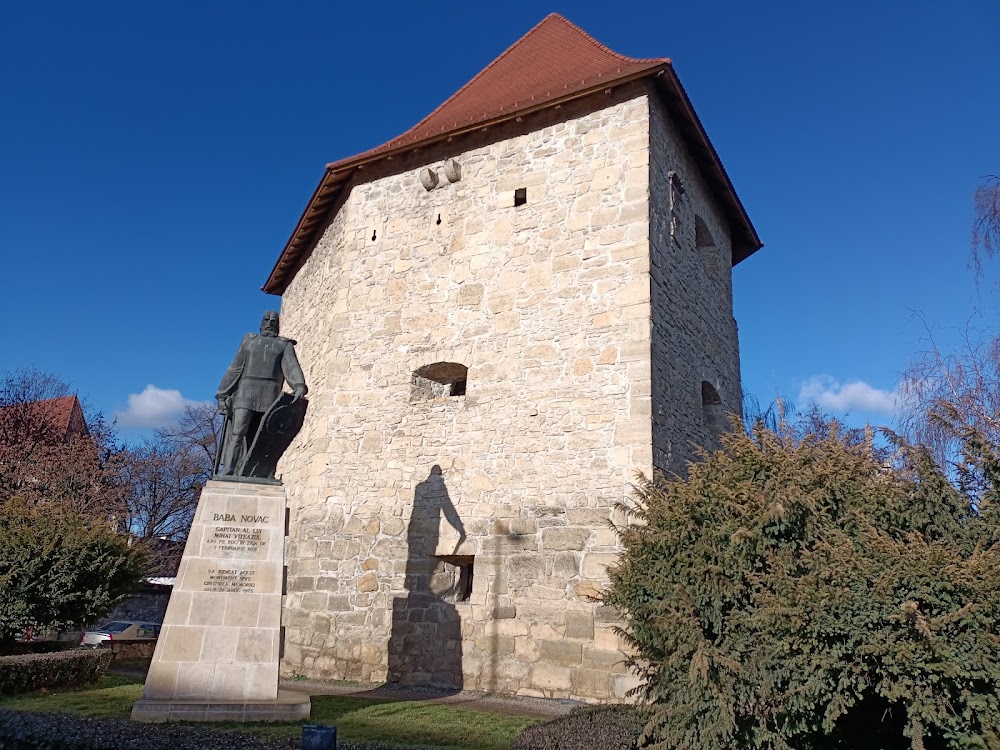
[{"x": 986, "y": 224}]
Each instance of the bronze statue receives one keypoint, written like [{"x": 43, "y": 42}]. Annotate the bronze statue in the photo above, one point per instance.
[{"x": 260, "y": 419}]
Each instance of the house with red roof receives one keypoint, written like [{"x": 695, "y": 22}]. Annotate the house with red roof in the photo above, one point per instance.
[
  {"x": 503, "y": 314},
  {"x": 49, "y": 420}
]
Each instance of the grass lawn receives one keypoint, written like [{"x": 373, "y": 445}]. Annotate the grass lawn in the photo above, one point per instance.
[{"x": 356, "y": 719}]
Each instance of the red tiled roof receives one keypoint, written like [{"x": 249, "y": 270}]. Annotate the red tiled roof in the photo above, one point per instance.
[
  {"x": 64, "y": 414},
  {"x": 553, "y": 62}
]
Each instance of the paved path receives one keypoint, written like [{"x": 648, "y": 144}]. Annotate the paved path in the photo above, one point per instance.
[{"x": 542, "y": 708}]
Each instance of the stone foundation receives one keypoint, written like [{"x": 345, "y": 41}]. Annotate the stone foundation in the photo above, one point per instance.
[{"x": 288, "y": 706}]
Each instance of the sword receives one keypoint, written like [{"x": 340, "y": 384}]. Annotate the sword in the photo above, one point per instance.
[
  {"x": 260, "y": 430},
  {"x": 220, "y": 441}
]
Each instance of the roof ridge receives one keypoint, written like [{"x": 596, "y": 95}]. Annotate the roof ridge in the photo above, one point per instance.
[
  {"x": 476, "y": 77},
  {"x": 606, "y": 48},
  {"x": 472, "y": 81},
  {"x": 468, "y": 84},
  {"x": 54, "y": 398}
]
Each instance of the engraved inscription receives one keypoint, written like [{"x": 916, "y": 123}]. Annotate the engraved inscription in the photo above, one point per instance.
[
  {"x": 244, "y": 518},
  {"x": 230, "y": 580},
  {"x": 237, "y": 539}
]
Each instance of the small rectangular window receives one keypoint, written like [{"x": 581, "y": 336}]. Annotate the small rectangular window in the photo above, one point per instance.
[
  {"x": 461, "y": 568},
  {"x": 520, "y": 197}
]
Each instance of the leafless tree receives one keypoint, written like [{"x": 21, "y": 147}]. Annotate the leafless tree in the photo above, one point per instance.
[
  {"x": 165, "y": 475},
  {"x": 986, "y": 224},
  {"x": 43, "y": 462},
  {"x": 942, "y": 387},
  {"x": 943, "y": 390},
  {"x": 198, "y": 430}
]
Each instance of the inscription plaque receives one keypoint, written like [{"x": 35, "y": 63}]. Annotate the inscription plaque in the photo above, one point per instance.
[
  {"x": 236, "y": 539},
  {"x": 230, "y": 581}
]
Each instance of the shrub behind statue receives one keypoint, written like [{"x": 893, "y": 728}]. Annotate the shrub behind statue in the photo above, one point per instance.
[
  {"x": 803, "y": 592},
  {"x": 59, "y": 569}
]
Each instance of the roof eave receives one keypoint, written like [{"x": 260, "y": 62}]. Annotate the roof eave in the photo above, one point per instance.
[
  {"x": 745, "y": 240},
  {"x": 343, "y": 168}
]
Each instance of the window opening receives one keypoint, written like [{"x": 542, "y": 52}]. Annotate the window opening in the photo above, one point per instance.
[
  {"x": 462, "y": 569},
  {"x": 676, "y": 193},
  {"x": 705, "y": 244},
  {"x": 709, "y": 395},
  {"x": 712, "y": 408},
  {"x": 439, "y": 380},
  {"x": 520, "y": 197},
  {"x": 702, "y": 236}
]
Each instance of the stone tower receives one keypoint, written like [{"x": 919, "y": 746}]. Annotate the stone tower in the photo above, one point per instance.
[{"x": 502, "y": 314}]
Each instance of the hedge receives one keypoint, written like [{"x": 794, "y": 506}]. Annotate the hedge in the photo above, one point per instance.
[
  {"x": 30, "y": 730},
  {"x": 602, "y": 728},
  {"x": 16, "y": 648},
  {"x": 19, "y": 674}
]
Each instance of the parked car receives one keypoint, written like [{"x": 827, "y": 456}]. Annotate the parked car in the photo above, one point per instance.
[{"x": 121, "y": 630}]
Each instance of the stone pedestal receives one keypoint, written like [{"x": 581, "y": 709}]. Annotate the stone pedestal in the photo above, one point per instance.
[{"x": 217, "y": 654}]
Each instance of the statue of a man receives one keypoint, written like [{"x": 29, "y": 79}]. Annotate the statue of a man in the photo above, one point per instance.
[{"x": 252, "y": 385}]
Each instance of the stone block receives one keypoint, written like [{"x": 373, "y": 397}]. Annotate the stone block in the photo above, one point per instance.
[
  {"x": 580, "y": 625},
  {"x": 565, "y": 565},
  {"x": 595, "y": 564},
  {"x": 607, "y": 615},
  {"x": 588, "y": 590},
  {"x": 551, "y": 679},
  {"x": 608, "y": 661},
  {"x": 470, "y": 294},
  {"x": 592, "y": 682},
  {"x": 525, "y": 568},
  {"x": 504, "y": 612},
  {"x": 564, "y": 538},
  {"x": 561, "y": 652},
  {"x": 623, "y": 684},
  {"x": 520, "y": 526}
]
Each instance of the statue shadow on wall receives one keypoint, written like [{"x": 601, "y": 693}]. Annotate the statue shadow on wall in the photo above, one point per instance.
[{"x": 425, "y": 645}]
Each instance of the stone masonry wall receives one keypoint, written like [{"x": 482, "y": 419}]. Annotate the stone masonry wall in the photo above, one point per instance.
[
  {"x": 694, "y": 332},
  {"x": 391, "y": 496}
]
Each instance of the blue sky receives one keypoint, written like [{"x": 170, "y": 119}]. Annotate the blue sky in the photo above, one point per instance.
[{"x": 154, "y": 158}]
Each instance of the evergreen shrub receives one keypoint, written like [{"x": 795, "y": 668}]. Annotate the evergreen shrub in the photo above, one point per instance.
[
  {"x": 20, "y": 674},
  {"x": 805, "y": 592},
  {"x": 60, "y": 569}
]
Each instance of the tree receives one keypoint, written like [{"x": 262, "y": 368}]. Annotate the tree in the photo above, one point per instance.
[
  {"x": 42, "y": 460},
  {"x": 772, "y": 416},
  {"x": 964, "y": 382},
  {"x": 60, "y": 568},
  {"x": 164, "y": 475},
  {"x": 197, "y": 432},
  {"x": 805, "y": 591},
  {"x": 986, "y": 224}
]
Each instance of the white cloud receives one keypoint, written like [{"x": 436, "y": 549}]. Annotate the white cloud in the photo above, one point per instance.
[
  {"x": 830, "y": 393},
  {"x": 154, "y": 407}
]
